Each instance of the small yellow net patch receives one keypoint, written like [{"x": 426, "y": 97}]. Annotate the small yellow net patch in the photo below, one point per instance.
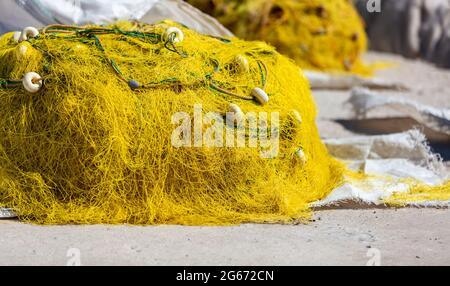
[{"x": 420, "y": 194}]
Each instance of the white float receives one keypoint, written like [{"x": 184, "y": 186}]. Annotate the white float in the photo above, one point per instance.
[
  {"x": 260, "y": 96},
  {"x": 179, "y": 35},
  {"x": 32, "y": 82}
]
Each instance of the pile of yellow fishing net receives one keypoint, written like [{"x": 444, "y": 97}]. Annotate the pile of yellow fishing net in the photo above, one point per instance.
[
  {"x": 318, "y": 34},
  {"x": 87, "y": 122},
  {"x": 157, "y": 124}
]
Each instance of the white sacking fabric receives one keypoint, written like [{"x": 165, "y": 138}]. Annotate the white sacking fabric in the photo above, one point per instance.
[
  {"x": 86, "y": 11},
  {"x": 320, "y": 80},
  {"x": 390, "y": 158},
  {"x": 17, "y": 14},
  {"x": 401, "y": 156},
  {"x": 363, "y": 100},
  {"x": 6, "y": 213}
]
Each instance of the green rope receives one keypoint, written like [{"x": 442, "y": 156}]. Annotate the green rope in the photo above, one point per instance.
[
  {"x": 84, "y": 32},
  {"x": 86, "y": 36},
  {"x": 97, "y": 42},
  {"x": 263, "y": 75},
  {"x": 213, "y": 85},
  {"x": 169, "y": 44},
  {"x": 93, "y": 35},
  {"x": 223, "y": 40},
  {"x": 7, "y": 84},
  {"x": 164, "y": 81}
]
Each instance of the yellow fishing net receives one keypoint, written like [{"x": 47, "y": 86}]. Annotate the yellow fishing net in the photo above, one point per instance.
[
  {"x": 90, "y": 136},
  {"x": 318, "y": 34},
  {"x": 94, "y": 144}
]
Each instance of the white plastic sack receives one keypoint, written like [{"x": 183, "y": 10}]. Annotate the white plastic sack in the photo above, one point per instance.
[
  {"x": 321, "y": 80},
  {"x": 363, "y": 100},
  {"x": 17, "y": 14},
  {"x": 391, "y": 158},
  {"x": 6, "y": 213}
]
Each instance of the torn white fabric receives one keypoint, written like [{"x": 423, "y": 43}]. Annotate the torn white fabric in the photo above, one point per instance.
[
  {"x": 363, "y": 100},
  {"x": 7, "y": 213},
  {"x": 429, "y": 204},
  {"x": 410, "y": 146},
  {"x": 370, "y": 193},
  {"x": 320, "y": 80},
  {"x": 361, "y": 193},
  {"x": 390, "y": 158}
]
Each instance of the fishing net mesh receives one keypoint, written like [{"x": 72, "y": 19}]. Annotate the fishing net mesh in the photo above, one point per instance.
[
  {"x": 87, "y": 148},
  {"x": 95, "y": 143}
]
